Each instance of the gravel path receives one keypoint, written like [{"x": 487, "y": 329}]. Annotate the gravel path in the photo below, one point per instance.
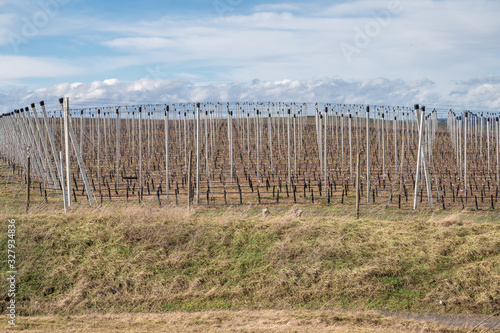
[{"x": 460, "y": 320}]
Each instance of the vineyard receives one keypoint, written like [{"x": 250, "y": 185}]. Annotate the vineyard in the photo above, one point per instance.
[{"x": 253, "y": 153}]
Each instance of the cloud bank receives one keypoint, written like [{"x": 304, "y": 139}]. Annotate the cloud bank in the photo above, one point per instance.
[{"x": 481, "y": 94}]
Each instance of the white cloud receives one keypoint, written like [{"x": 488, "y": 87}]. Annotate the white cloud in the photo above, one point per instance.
[
  {"x": 443, "y": 41},
  {"x": 481, "y": 91},
  {"x": 278, "y": 7},
  {"x": 139, "y": 43},
  {"x": 113, "y": 92},
  {"x": 6, "y": 22},
  {"x": 17, "y": 67},
  {"x": 359, "y": 8},
  {"x": 435, "y": 39}
]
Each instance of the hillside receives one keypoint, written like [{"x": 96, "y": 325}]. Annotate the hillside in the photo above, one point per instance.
[{"x": 144, "y": 259}]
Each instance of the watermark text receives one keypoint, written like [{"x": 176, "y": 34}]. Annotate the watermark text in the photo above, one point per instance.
[{"x": 11, "y": 274}]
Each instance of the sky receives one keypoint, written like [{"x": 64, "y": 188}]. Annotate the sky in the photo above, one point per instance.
[{"x": 440, "y": 53}]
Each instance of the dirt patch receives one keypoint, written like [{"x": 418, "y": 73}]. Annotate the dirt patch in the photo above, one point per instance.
[
  {"x": 233, "y": 321},
  {"x": 457, "y": 320}
]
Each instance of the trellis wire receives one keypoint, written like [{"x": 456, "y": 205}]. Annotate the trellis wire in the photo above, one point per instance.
[{"x": 233, "y": 150}]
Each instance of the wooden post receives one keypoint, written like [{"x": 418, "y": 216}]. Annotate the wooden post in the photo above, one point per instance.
[
  {"x": 185, "y": 141},
  {"x": 419, "y": 150},
  {"x": 289, "y": 149},
  {"x": 325, "y": 163},
  {"x": 28, "y": 180},
  {"x": 197, "y": 153},
  {"x": 488, "y": 143},
  {"x": 269, "y": 129},
  {"x": 118, "y": 139},
  {"x": 140, "y": 153},
  {"x": 350, "y": 146},
  {"x": 383, "y": 146},
  {"x": 65, "y": 103},
  {"x": 498, "y": 155},
  {"x": 132, "y": 137},
  {"x": 319, "y": 137},
  {"x": 258, "y": 138},
  {"x": 190, "y": 190},
  {"x": 107, "y": 133},
  {"x": 278, "y": 122},
  {"x": 248, "y": 135},
  {"x": 98, "y": 151},
  {"x": 62, "y": 183},
  {"x": 465, "y": 155},
  {"x": 207, "y": 170},
  {"x": 457, "y": 142},
  {"x": 230, "y": 134},
  {"x": 294, "y": 143},
  {"x": 167, "y": 173},
  {"x": 481, "y": 136},
  {"x": 148, "y": 129},
  {"x": 356, "y": 125},
  {"x": 394, "y": 127},
  {"x": 81, "y": 130},
  {"x": 342, "y": 139},
  {"x": 367, "y": 154},
  {"x": 357, "y": 185},
  {"x": 402, "y": 154}
]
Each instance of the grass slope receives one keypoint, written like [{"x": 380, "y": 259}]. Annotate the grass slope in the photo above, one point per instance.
[{"x": 144, "y": 259}]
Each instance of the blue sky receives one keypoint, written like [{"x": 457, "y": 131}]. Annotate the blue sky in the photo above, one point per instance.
[{"x": 442, "y": 53}]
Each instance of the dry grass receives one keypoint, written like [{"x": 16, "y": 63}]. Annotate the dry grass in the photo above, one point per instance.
[
  {"x": 227, "y": 321},
  {"x": 146, "y": 259}
]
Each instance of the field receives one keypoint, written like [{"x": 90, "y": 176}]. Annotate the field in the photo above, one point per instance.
[
  {"x": 163, "y": 262},
  {"x": 262, "y": 154},
  {"x": 140, "y": 260}
]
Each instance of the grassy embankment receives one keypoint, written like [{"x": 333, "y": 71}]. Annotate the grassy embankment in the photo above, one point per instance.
[{"x": 145, "y": 259}]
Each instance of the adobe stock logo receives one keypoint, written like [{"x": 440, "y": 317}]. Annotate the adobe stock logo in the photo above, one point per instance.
[
  {"x": 363, "y": 37},
  {"x": 157, "y": 72},
  {"x": 222, "y": 7},
  {"x": 30, "y": 27}
]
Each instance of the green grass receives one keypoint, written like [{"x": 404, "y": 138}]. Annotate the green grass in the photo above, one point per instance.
[{"x": 146, "y": 259}]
